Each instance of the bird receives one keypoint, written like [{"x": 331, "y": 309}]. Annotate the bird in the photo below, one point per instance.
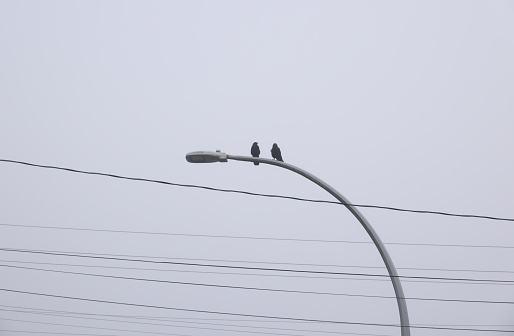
[
  {"x": 255, "y": 152},
  {"x": 275, "y": 152}
]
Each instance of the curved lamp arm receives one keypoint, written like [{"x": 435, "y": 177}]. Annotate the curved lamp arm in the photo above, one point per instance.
[{"x": 197, "y": 157}]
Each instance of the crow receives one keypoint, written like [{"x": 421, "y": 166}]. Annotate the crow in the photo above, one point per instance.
[
  {"x": 255, "y": 152},
  {"x": 275, "y": 153}
]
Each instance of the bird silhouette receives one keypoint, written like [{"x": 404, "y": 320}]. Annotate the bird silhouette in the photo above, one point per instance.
[
  {"x": 255, "y": 152},
  {"x": 276, "y": 153}
]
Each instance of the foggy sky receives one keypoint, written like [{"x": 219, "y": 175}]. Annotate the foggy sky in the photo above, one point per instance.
[{"x": 398, "y": 103}]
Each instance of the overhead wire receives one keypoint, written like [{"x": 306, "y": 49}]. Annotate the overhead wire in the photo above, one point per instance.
[
  {"x": 257, "y": 288},
  {"x": 204, "y": 328},
  {"x": 53, "y": 333},
  {"x": 261, "y": 262},
  {"x": 196, "y": 283},
  {"x": 252, "y": 238},
  {"x": 252, "y": 268},
  {"x": 195, "y": 319},
  {"x": 258, "y": 194},
  {"x": 248, "y": 274},
  {"x": 159, "y": 318},
  {"x": 283, "y": 318},
  {"x": 96, "y": 328}
]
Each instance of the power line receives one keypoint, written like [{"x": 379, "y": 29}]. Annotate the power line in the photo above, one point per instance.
[
  {"x": 263, "y": 262},
  {"x": 201, "y": 323},
  {"x": 198, "y": 284},
  {"x": 252, "y": 238},
  {"x": 258, "y": 194},
  {"x": 52, "y": 333},
  {"x": 33, "y": 310},
  {"x": 158, "y": 318},
  {"x": 197, "y": 310},
  {"x": 96, "y": 328},
  {"x": 294, "y": 319},
  {"x": 187, "y": 271},
  {"x": 258, "y": 288},
  {"x": 255, "y": 268},
  {"x": 246, "y": 274}
]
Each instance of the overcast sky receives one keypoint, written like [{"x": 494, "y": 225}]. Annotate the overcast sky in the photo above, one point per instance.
[{"x": 405, "y": 104}]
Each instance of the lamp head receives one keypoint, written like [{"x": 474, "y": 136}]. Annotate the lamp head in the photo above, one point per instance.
[{"x": 206, "y": 157}]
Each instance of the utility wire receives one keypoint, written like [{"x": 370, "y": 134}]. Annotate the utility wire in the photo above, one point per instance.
[
  {"x": 294, "y": 319},
  {"x": 194, "y": 320},
  {"x": 161, "y": 318},
  {"x": 198, "y": 284},
  {"x": 256, "y": 268},
  {"x": 257, "y": 288},
  {"x": 96, "y": 328},
  {"x": 200, "y": 323},
  {"x": 196, "y": 272},
  {"x": 258, "y": 194},
  {"x": 264, "y": 262},
  {"x": 248, "y": 274},
  {"x": 250, "y": 237},
  {"x": 54, "y": 333}
]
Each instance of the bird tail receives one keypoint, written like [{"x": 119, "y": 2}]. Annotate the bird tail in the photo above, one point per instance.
[{"x": 256, "y": 163}]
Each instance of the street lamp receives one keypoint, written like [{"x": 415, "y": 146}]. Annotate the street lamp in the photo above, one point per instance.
[
  {"x": 218, "y": 156},
  {"x": 206, "y": 157}
]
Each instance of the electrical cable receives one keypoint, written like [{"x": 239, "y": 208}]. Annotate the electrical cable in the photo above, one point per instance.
[
  {"x": 270, "y": 262},
  {"x": 246, "y": 315},
  {"x": 182, "y": 319},
  {"x": 96, "y": 328},
  {"x": 257, "y": 288},
  {"x": 158, "y": 318},
  {"x": 253, "y": 238},
  {"x": 204, "y": 328},
  {"x": 53, "y": 333},
  {"x": 247, "y": 274},
  {"x": 256, "y": 268},
  {"x": 198, "y": 284},
  {"x": 258, "y": 194}
]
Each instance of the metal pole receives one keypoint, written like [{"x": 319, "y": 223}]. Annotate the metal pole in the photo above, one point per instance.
[{"x": 400, "y": 297}]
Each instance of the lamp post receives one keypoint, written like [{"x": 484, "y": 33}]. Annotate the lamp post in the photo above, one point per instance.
[{"x": 208, "y": 157}]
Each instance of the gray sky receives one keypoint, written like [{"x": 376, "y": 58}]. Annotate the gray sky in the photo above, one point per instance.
[{"x": 398, "y": 103}]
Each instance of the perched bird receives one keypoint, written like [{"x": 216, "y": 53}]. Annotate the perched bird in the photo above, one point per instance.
[
  {"x": 255, "y": 152},
  {"x": 275, "y": 153}
]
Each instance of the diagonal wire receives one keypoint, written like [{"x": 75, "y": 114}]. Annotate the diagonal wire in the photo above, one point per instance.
[
  {"x": 259, "y": 194},
  {"x": 91, "y": 256},
  {"x": 201, "y": 323},
  {"x": 252, "y": 238},
  {"x": 273, "y": 317},
  {"x": 257, "y": 288}
]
